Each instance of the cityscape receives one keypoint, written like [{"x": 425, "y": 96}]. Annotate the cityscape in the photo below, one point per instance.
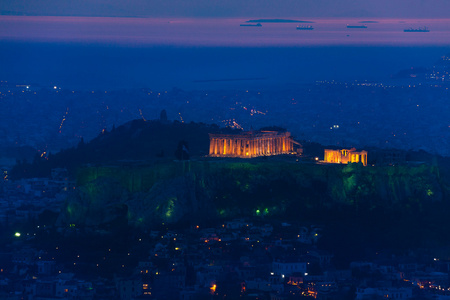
[{"x": 186, "y": 151}]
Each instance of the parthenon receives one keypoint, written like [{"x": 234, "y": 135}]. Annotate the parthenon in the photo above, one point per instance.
[
  {"x": 345, "y": 156},
  {"x": 250, "y": 144}
]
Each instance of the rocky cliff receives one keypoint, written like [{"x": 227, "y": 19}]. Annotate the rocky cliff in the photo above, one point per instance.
[{"x": 170, "y": 192}]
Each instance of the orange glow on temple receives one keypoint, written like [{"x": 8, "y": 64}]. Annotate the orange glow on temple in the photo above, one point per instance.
[
  {"x": 345, "y": 156},
  {"x": 251, "y": 144}
]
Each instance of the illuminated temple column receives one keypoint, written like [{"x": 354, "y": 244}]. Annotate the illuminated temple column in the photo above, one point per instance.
[
  {"x": 217, "y": 147},
  {"x": 280, "y": 145},
  {"x": 279, "y": 149},
  {"x": 211, "y": 146},
  {"x": 224, "y": 148},
  {"x": 259, "y": 147},
  {"x": 231, "y": 147},
  {"x": 227, "y": 146},
  {"x": 272, "y": 146},
  {"x": 275, "y": 143},
  {"x": 239, "y": 147}
]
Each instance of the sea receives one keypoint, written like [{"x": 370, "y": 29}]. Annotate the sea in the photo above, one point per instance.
[{"x": 211, "y": 53}]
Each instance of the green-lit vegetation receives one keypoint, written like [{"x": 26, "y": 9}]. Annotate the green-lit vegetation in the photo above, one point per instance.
[{"x": 383, "y": 204}]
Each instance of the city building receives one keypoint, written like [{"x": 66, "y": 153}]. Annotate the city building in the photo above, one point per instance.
[
  {"x": 345, "y": 156},
  {"x": 251, "y": 144}
]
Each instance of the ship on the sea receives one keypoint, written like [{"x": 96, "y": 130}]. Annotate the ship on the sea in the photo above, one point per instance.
[
  {"x": 309, "y": 27},
  {"x": 420, "y": 29},
  {"x": 356, "y": 26},
  {"x": 252, "y": 25}
]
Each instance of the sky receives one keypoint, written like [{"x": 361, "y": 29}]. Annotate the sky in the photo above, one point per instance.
[{"x": 231, "y": 8}]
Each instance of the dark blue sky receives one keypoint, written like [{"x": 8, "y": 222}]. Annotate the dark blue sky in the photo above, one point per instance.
[{"x": 232, "y": 8}]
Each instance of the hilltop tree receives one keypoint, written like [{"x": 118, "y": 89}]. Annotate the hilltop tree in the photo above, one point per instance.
[
  {"x": 163, "y": 116},
  {"x": 182, "y": 152}
]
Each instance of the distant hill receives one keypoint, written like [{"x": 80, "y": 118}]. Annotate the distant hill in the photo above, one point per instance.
[
  {"x": 277, "y": 21},
  {"x": 418, "y": 72}
]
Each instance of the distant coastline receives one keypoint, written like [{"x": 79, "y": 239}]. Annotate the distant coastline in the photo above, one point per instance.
[{"x": 277, "y": 21}]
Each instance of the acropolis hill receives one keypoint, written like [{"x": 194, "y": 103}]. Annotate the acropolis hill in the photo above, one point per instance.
[
  {"x": 130, "y": 176},
  {"x": 147, "y": 142}
]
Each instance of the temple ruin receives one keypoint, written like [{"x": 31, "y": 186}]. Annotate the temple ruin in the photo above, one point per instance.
[
  {"x": 251, "y": 144},
  {"x": 345, "y": 156}
]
